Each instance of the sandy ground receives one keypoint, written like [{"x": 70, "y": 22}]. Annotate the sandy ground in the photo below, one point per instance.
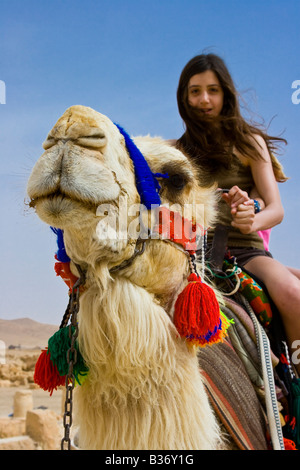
[{"x": 40, "y": 398}]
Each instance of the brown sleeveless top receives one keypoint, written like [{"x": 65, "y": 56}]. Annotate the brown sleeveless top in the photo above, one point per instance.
[{"x": 241, "y": 176}]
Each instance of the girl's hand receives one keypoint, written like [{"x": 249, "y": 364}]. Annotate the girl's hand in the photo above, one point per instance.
[
  {"x": 244, "y": 217},
  {"x": 235, "y": 197},
  {"x": 242, "y": 209}
]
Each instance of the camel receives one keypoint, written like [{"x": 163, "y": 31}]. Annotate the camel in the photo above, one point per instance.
[
  {"x": 143, "y": 389},
  {"x": 107, "y": 195}
]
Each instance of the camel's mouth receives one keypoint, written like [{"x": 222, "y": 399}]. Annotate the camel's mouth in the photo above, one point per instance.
[
  {"x": 59, "y": 209},
  {"x": 34, "y": 201},
  {"x": 56, "y": 196},
  {"x": 59, "y": 197}
]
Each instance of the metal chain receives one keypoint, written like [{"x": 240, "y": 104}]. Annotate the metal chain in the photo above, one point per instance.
[{"x": 71, "y": 359}]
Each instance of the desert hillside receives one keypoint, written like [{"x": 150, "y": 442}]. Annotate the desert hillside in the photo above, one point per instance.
[{"x": 25, "y": 333}]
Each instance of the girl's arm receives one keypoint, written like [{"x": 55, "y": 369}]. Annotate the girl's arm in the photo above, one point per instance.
[
  {"x": 254, "y": 194},
  {"x": 267, "y": 187},
  {"x": 266, "y": 192}
]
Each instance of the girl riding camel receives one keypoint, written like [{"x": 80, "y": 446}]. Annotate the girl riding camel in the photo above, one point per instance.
[{"x": 239, "y": 157}]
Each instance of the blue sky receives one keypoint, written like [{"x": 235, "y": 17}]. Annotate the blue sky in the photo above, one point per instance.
[{"x": 124, "y": 59}]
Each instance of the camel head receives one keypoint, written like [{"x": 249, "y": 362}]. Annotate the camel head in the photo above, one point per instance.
[
  {"x": 85, "y": 184},
  {"x": 84, "y": 165}
]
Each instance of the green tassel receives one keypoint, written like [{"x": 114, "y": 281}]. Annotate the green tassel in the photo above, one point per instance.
[{"x": 58, "y": 346}]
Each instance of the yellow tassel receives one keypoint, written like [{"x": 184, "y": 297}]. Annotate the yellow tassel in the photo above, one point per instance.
[{"x": 226, "y": 322}]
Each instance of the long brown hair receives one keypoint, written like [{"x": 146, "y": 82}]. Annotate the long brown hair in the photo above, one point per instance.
[{"x": 210, "y": 142}]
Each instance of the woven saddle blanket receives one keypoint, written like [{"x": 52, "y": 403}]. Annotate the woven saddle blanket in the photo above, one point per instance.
[{"x": 232, "y": 377}]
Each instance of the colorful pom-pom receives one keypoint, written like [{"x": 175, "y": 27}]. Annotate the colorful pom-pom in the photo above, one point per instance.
[
  {"x": 52, "y": 366},
  {"x": 197, "y": 314},
  {"x": 46, "y": 374}
]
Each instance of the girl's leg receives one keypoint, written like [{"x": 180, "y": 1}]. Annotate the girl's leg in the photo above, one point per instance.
[
  {"x": 294, "y": 271},
  {"x": 284, "y": 289}
]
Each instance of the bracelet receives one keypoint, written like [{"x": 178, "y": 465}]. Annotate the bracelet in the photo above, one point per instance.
[{"x": 257, "y": 207}]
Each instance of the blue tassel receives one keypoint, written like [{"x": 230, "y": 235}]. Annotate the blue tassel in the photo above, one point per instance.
[
  {"x": 146, "y": 183},
  {"x": 61, "y": 253}
]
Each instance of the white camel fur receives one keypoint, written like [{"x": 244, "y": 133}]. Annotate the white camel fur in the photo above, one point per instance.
[{"x": 143, "y": 389}]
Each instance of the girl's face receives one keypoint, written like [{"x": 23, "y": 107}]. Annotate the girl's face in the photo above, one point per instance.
[{"x": 205, "y": 93}]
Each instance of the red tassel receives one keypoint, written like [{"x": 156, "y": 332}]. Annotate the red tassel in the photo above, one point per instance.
[
  {"x": 289, "y": 445},
  {"x": 46, "y": 374},
  {"x": 197, "y": 313},
  {"x": 63, "y": 270}
]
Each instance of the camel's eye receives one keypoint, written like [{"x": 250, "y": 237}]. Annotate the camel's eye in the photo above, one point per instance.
[{"x": 177, "y": 181}]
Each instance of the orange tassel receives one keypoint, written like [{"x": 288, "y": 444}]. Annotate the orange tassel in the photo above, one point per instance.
[
  {"x": 197, "y": 313},
  {"x": 46, "y": 374}
]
